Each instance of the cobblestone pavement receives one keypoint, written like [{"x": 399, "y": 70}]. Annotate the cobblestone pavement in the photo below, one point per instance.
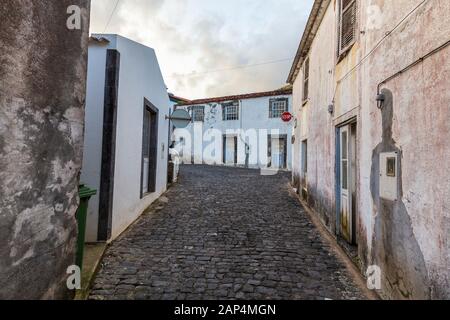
[{"x": 225, "y": 233}]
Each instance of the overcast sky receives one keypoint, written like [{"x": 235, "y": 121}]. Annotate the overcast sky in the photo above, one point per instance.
[{"x": 195, "y": 38}]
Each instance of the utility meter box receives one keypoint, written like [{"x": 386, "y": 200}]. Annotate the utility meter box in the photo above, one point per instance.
[{"x": 389, "y": 173}]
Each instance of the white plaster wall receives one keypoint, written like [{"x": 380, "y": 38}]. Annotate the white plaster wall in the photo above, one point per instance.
[
  {"x": 140, "y": 77},
  {"x": 254, "y": 114}
]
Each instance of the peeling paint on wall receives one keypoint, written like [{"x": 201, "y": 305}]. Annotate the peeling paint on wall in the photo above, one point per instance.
[
  {"x": 395, "y": 249},
  {"x": 42, "y": 84},
  {"x": 212, "y": 116}
]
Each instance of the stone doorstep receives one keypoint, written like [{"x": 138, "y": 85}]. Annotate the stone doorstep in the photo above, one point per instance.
[{"x": 93, "y": 254}]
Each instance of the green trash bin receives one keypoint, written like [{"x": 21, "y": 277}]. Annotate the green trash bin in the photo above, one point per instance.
[{"x": 85, "y": 195}]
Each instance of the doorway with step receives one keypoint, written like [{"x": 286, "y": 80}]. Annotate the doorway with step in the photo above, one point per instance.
[
  {"x": 277, "y": 151},
  {"x": 230, "y": 150},
  {"x": 346, "y": 182}
]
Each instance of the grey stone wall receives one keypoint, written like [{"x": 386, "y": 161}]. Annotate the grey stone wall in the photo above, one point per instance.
[{"x": 42, "y": 96}]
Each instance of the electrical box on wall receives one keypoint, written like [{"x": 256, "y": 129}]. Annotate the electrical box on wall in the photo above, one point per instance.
[{"x": 389, "y": 176}]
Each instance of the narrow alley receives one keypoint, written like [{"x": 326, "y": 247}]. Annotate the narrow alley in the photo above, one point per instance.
[{"x": 226, "y": 233}]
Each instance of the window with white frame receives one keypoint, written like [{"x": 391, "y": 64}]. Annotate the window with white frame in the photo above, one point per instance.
[
  {"x": 230, "y": 111},
  {"x": 198, "y": 113},
  {"x": 347, "y": 24},
  {"x": 278, "y": 107},
  {"x": 306, "y": 80}
]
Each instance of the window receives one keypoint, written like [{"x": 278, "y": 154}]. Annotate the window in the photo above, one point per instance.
[
  {"x": 198, "y": 114},
  {"x": 306, "y": 80},
  {"x": 230, "y": 111},
  {"x": 305, "y": 158},
  {"x": 347, "y": 24},
  {"x": 278, "y": 107}
]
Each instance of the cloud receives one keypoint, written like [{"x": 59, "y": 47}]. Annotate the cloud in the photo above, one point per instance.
[{"x": 201, "y": 35}]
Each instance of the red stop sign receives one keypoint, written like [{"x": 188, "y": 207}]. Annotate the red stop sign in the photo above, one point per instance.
[{"x": 286, "y": 117}]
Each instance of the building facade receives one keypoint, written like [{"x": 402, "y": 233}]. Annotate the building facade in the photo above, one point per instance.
[
  {"x": 244, "y": 130},
  {"x": 126, "y": 136},
  {"x": 372, "y": 100}
]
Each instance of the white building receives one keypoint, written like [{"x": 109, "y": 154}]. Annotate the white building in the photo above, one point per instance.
[
  {"x": 126, "y": 135},
  {"x": 243, "y": 130}
]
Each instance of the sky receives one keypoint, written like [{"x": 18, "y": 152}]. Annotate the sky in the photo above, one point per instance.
[{"x": 210, "y": 48}]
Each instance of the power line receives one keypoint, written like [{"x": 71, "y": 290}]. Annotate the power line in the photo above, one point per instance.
[
  {"x": 111, "y": 16},
  {"x": 235, "y": 68}
]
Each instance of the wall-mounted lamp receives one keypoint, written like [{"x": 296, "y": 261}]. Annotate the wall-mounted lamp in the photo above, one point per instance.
[
  {"x": 331, "y": 109},
  {"x": 380, "y": 99}
]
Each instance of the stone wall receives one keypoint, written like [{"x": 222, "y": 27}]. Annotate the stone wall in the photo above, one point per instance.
[{"x": 42, "y": 96}]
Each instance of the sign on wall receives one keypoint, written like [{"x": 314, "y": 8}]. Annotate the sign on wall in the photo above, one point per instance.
[{"x": 286, "y": 117}]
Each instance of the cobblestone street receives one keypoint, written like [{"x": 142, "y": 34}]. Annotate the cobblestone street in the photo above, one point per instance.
[{"x": 224, "y": 233}]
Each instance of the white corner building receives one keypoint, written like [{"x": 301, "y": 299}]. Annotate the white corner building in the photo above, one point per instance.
[{"x": 126, "y": 134}]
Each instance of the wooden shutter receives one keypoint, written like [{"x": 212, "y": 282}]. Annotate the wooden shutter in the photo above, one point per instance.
[
  {"x": 223, "y": 112},
  {"x": 347, "y": 32},
  {"x": 271, "y": 101},
  {"x": 306, "y": 80}
]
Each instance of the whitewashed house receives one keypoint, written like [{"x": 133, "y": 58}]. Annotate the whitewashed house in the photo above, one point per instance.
[
  {"x": 126, "y": 135},
  {"x": 242, "y": 130}
]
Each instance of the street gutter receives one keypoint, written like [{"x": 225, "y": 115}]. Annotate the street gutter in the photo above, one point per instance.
[{"x": 354, "y": 271}]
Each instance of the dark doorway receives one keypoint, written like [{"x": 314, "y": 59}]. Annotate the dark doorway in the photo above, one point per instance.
[
  {"x": 149, "y": 148},
  {"x": 230, "y": 150}
]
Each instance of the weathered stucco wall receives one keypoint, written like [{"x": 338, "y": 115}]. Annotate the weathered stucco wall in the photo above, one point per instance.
[
  {"x": 321, "y": 138},
  {"x": 315, "y": 123},
  {"x": 42, "y": 86},
  {"x": 409, "y": 238}
]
